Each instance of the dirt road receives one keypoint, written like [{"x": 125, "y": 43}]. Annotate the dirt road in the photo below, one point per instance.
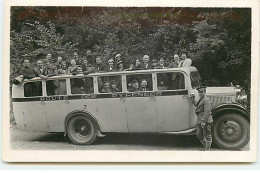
[{"x": 57, "y": 141}]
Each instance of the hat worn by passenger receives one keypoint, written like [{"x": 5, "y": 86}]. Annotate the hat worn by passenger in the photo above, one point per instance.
[
  {"x": 119, "y": 62},
  {"x": 118, "y": 55},
  {"x": 110, "y": 60}
]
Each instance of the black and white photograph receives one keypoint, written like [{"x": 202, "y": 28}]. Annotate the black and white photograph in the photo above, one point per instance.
[{"x": 131, "y": 80}]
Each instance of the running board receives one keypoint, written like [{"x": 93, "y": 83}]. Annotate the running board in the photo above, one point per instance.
[{"x": 184, "y": 132}]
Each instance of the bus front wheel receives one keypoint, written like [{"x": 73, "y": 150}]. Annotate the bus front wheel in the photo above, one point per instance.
[
  {"x": 82, "y": 130},
  {"x": 231, "y": 131}
]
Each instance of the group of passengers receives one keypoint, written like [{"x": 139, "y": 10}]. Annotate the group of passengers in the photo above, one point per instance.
[{"x": 48, "y": 67}]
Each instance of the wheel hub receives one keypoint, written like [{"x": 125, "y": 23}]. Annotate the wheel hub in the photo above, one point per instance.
[
  {"x": 230, "y": 131},
  {"x": 82, "y": 128}
]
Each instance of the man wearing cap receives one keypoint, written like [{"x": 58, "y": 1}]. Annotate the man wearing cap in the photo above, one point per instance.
[
  {"x": 204, "y": 118},
  {"x": 118, "y": 58}
]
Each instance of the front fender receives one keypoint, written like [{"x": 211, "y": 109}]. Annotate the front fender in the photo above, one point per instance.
[{"x": 230, "y": 107}]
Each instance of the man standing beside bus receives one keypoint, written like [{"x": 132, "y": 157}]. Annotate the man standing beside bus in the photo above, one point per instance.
[{"x": 204, "y": 118}]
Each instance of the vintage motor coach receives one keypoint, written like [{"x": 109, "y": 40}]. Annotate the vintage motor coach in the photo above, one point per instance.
[{"x": 80, "y": 107}]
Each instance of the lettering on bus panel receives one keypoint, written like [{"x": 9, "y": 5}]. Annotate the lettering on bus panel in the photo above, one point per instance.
[
  {"x": 136, "y": 94},
  {"x": 53, "y": 98},
  {"x": 103, "y": 96}
]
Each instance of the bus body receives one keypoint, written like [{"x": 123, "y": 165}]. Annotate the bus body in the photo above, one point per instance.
[{"x": 164, "y": 107}]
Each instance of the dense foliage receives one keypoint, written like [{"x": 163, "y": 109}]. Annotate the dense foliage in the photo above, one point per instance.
[{"x": 218, "y": 40}]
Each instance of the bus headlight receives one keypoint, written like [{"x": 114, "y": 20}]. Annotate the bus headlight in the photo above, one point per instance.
[{"x": 242, "y": 98}]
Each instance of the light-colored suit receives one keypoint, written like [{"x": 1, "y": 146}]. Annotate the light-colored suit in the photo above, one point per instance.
[{"x": 185, "y": 63}]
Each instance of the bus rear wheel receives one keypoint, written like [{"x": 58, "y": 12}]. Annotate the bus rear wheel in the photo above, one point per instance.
[
  {"x": 231, "y": 131},
  {"x": 82, "y": 130}
]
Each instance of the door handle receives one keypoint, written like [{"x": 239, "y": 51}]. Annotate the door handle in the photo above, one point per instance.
[{"x": 122, "y": 100}]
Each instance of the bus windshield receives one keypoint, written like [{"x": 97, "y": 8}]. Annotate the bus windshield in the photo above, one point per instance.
[{"x": 195, "y": 79}]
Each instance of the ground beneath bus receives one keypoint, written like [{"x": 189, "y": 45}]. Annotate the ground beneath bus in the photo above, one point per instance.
[{"x": 57, "y": 141}]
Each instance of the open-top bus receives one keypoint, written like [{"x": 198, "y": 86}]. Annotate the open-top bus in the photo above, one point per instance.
[{"x": 77, "y": 106}]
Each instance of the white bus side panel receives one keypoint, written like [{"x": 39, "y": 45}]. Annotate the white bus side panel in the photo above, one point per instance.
[
  {"x": 112, "y": 115},
  {"x": 173, "y": 113},
  {"x": 34, "y": 114},
  {"x": 19, "y": 116},
  {"x": 141, "y": 114}
]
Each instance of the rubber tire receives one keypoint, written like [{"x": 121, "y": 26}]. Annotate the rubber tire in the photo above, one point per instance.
[
  {"x": 77, "y": 139},
  {"x": 245, "y": 134}
]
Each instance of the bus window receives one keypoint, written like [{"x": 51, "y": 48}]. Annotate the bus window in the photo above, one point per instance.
[
  {"x": 139, "y": 82},
  {"x": 170, "y": 81},
  {"x": 56, "y": 87},
  {"x": 109, "y": 84},
  {"x": 32, "y": 89},
  {"x": 82, "y": 85}
]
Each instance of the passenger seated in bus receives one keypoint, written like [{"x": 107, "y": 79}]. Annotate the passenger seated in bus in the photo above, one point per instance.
[
  {"x": 84, "y": 64},
  {"x": 78, "y": 71},
  {"x": 120, "y": 66},
  {"x": 146, "y": 64},
  {"x": 134, "y": 87},
  {"x": 110, "y": 66},
  {"x": 77, "y": 84},
  {"x": 90, "y": 69},
  {"x": 63, "y": 69},
  {"x": 40, "y": 68},
  {"x": 100, "y": 67},
  {"x": 106, "y": 88},
  {"x": 50, "y": 70},
  {"x": 161, "y": 64},
  {"x": 58, "y": 63},
  {"x": 117, "y": 58},
  {"x": 28, "y": 73},
  {"x": 138, "y": 64},
  {"x": 143, "y": 85},
  {"x": 73, "y": 67},
  {"x": 114, "y": 87},
  {"x": 51, "y": 85},
  {"x": 154, "y": 63}
]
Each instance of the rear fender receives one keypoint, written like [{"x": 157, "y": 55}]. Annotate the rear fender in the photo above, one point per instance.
[{"x": 230, "y": 107}]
